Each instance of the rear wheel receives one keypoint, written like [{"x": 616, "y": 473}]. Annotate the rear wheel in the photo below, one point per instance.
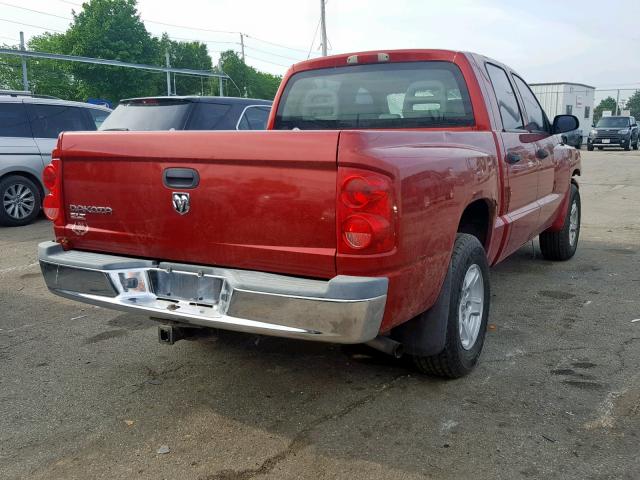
[
  {"x": 562, "y": 245},
  {"x": 468, "y": 312},
  {"x": 590, "y": 148},
  {"x": 21, "y": 201}
]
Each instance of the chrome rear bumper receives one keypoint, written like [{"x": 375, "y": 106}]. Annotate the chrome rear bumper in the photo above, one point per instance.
[{"x": 344, "y": 309}]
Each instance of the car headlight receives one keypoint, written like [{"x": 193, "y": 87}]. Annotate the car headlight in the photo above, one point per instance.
[
  {"x": 593, "y": 133},
  {"x": 624, "y": 131}
]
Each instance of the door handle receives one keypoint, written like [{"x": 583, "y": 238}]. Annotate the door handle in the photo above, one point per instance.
[
  {"x": 541, "y": 153},
  {"x": 513, "y": 158},
  {"x": 180, "y": 178}
]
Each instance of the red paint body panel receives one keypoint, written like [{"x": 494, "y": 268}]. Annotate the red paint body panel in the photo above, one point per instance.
[
  {"x": 436, "y": 175},
  {"x": 267, "y": 200}
]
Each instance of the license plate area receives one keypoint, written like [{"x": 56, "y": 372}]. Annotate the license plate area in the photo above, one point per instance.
[
  {"x": 606, "y": 140},
  {"x": 193, "y": 287}
]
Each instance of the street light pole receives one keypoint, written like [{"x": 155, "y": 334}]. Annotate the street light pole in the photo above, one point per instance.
[{"x": 323, "y": 28}]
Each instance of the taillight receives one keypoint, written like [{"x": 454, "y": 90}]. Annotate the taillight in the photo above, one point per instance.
[
  {"x": 52, "y": 205},
  {"x": 366, "y": 212}
]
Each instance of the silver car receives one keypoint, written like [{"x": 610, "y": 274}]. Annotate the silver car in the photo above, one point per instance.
[{"x": 29, "y": 128}]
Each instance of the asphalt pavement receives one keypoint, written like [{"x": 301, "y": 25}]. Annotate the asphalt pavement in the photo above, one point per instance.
[{"x": 90, "y": 393}]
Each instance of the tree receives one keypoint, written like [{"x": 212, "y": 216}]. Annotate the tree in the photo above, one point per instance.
[
  {"x": 52, "y": 77},
  {"x": 192, "y": 55},
  {"x": 111, "y": 29},
  {"x": 608, "y": 103},
  {"x": 247, "y": 80},
  {"x": 10, "y": 71},
  {"x": 633, "y": 104}
]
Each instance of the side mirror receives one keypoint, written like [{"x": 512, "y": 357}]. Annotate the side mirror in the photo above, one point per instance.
[{"x": 565, "y": 123}]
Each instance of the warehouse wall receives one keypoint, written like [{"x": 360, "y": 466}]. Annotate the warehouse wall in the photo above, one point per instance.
[{"x": 561, "y": 98}]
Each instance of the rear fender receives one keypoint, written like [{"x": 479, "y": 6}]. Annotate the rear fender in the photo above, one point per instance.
[{"x": 436, "y": 175}]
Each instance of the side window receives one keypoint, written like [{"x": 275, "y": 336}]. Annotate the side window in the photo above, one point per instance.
[
  {"x": 98, "y": 116},
  {"x": 208, "y": 116},
  {"x": 536, "y": 121},
  {"x": 509, "y": 109},
  {"x": 48, "y": 121},
  {"x": 254, "y": 118},
  {"x": 13, "y": 120}
]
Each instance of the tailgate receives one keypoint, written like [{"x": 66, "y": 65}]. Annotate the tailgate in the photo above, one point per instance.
[{"x": 264, "y": 201}]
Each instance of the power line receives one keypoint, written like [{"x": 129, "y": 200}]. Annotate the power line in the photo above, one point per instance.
[
  {"x": 274, "y": 43},
  {"x": 313, "y": 40},
  {"x": 270, "y": 53},
  {"x": 203, "y": 30},
  {"x": 170, "y": 36},
  {"x": 227, "y": 32},
  {"x": 35, "y": 11},
  {"x": 267, "y": 61},
  {"x": 30, "y": 25}
]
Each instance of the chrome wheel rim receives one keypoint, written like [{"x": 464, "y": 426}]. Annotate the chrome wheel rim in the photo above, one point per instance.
[
  {"x": 18, "y": 201},
  {"x": 574, "y": 223},
  {"x": 471, "y": 306}
]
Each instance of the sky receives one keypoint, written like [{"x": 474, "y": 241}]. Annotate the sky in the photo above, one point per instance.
[{"x": 544, "y": 40}]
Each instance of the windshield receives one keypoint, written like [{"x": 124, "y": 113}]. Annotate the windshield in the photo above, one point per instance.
[
  {"x": 150, "y": 114},
  {"x": 390, "y": 95},
  {"x": 613, "y": 122}
]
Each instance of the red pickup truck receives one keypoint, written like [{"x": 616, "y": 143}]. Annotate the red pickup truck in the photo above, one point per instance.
[{"x": 369, "y": 211}]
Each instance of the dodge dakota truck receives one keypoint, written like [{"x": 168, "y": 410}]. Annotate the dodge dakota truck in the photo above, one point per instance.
[{"x": 368, "y": 212}]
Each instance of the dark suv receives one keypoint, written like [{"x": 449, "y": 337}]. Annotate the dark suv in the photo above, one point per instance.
[
  {"x": 189, "y": 113},
  {"x": 621, "y": 132}
]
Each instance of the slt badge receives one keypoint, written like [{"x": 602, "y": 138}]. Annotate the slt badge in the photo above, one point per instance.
[{"x": 181, "y": 202}]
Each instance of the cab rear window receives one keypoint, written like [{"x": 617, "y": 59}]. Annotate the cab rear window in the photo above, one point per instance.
[{"x": 390, "y": 95}]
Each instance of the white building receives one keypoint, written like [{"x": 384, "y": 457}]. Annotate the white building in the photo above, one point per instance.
[{"x": 567, "y": 98}]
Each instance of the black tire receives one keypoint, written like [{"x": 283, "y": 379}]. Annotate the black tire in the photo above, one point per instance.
[
  {"x": 627, "y": 147},
  {"x": 600, "y": 148},
  {"x": 559, "y": 245},
  {"x": 12, "y": 215},
  {"x": 590, "y": 148},
  {"x": 455, "y": 360},
  {"x": 635, "y": 145},
  {"x": 579, "y": 145}
]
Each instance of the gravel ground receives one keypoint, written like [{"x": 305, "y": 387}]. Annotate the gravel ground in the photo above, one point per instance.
[{"x": 89, "y": 393}]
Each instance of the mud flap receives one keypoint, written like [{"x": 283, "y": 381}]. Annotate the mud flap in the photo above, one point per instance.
[{"x": 426, "y": 334}]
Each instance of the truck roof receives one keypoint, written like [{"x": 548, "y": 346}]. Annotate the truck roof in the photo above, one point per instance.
[{"x": 371, "y": 56}]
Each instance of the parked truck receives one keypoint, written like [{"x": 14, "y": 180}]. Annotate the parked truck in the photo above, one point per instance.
[{"x": 369, "y": 212}]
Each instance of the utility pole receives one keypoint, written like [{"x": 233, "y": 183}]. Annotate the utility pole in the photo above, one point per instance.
[
  {"x": 25, "y": 81},
  {"x": 323, "y": 29},
  {"x": 242, "y": 46},
  {"x": 166, "y": 57},
  {"x": 617, "y": 103}
]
